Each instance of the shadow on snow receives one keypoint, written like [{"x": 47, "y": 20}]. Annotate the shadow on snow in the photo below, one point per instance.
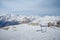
[{"x": 8, "y": 23}]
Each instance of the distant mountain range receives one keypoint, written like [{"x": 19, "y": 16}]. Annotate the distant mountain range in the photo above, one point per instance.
[{"x": 11, "y": 19}]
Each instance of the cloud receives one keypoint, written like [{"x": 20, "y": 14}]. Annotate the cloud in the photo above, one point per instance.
[{"x": 31, "y": 6}]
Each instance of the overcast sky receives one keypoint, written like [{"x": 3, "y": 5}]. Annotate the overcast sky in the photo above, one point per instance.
[{"x": 30, "y": 7}]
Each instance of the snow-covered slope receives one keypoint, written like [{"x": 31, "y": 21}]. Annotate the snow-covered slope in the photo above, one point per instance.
[
  {"x": 18, "y": 27},
  {"x": 27, "y": 32}
]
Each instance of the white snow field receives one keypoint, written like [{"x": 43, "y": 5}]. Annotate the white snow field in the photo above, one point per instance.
[
  {"x": 28, "y": 32},
  {"x": 28, "y": 28}
]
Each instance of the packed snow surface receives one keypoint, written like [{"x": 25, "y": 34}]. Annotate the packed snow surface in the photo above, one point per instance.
[{"x": 28, "y": 32}]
